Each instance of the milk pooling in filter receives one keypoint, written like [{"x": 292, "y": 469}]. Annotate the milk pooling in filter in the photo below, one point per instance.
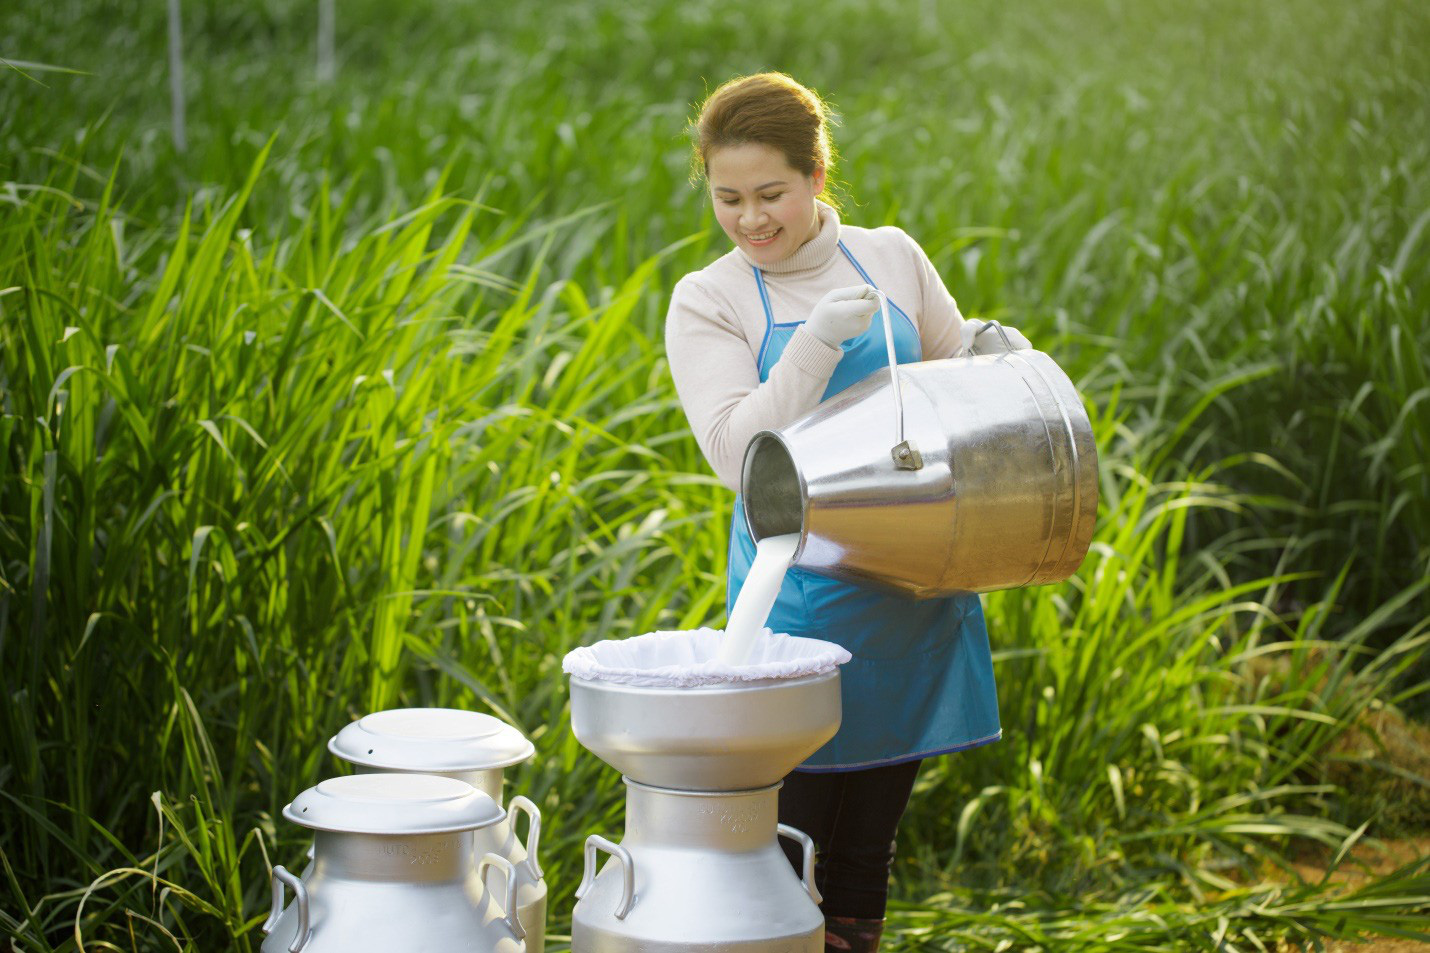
[{"x": 773, "y": 556}]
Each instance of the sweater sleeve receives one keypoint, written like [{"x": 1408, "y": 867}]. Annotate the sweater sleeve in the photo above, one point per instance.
[
  {"x": 940, "y": 321},
  {"x": 719, "y": 384}
]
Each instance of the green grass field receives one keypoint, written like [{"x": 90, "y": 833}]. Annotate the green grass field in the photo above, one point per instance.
[{"x": 360, "y": 401}]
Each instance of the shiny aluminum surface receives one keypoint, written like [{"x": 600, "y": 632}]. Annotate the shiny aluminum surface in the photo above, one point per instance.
[
  {"x": 1005, "y": 494},
  {"x": 393, "y": 804},
  {"x": 696, "y": 871},
  {"x": 431, "y": 740},
  {"x": 730, "y": 737},
  {"x": 375, "y": 893},
  {"x": 501, "y": 839},
  {"x": 489, "y": 782}
]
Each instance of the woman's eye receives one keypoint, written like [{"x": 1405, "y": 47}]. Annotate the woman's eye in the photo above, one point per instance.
[
  {"x": 729, "y": 201},
  {"x": 772, "y": 198}
]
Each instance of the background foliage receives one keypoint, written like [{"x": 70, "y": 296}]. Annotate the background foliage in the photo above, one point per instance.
[{"x": 360, "y": 402}]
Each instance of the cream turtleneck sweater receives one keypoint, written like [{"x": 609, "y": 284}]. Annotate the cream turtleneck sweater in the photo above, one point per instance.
[{"x": 716, "y": 324}]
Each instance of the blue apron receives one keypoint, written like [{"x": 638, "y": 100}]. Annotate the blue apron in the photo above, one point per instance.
[{"x": 921, "y": 679}]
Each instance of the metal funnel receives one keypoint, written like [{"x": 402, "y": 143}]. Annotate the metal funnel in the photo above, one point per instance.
[{"x": 728, "y": 737}]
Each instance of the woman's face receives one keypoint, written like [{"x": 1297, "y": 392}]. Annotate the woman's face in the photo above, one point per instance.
[{"x": 764, "y": 205}]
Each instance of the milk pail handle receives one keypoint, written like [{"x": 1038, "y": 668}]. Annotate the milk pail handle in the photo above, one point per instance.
[
  {"x": 906, "y": 455},
  {"x": 628, "y": 872},
  {"x": 508, "y": 908},
  {"x": 533, "y": 832},
  {"x": 281, "y": 876},
  {"x": 1001, "y": 333},
  {"x": 807, "y": 842}
]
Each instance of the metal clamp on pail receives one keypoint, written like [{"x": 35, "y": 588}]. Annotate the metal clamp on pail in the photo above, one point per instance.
[{"x": 961, "y": 475}]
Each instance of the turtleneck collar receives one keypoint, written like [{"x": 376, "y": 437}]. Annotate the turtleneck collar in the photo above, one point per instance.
[{"x": 813, "y": 253}]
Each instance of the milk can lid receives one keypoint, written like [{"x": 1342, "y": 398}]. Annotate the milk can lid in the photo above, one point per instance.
[
  {"x": 393, "y": 804},
  {"x": 431, "y": 739}
]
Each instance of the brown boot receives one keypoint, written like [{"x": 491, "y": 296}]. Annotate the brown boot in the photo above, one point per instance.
[{"x": 851, "y": 935}]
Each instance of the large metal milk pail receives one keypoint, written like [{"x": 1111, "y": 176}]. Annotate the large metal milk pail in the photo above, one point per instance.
[{"x": 977, "y": 473}]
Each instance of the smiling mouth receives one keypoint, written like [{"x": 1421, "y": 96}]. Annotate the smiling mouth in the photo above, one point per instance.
[{"x": 763, "y": 238}]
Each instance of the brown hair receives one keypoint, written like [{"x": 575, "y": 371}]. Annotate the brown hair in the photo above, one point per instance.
[{"x": 773, "y": 110}]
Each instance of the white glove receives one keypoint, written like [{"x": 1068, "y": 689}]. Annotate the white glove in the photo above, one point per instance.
[
  {"x": 977, "y": 340},
  {"x": 842, "y": 314}
]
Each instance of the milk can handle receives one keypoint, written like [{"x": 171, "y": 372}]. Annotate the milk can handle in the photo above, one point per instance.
[
  {"x": 807, "y": 882},
  {"x": 533, "y": 832},
  {"x": 628, "y": 872},
  {"x": 281, "y": 876},
  {"x": 508, "y": 908},
  {"x": 906, "y": 455}
]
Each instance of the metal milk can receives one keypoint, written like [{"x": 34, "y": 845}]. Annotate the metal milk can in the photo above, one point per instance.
[
  {"x": 929, "y": 479},
  {"x": 698, "y": 871},
  {"x": 393, "y": 870},
  {"x": 471, "y": 747}
]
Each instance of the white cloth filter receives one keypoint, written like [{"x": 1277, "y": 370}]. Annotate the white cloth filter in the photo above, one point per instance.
[{"x": 687, "y": 659}]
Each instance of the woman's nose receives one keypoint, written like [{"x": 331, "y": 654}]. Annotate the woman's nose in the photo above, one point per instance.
[{"x": 751, "y": 217}]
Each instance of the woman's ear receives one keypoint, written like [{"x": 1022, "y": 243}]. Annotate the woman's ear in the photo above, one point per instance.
[{"x": 818, "y": 178}]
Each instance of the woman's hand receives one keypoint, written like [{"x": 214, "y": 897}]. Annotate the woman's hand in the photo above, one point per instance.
[
  {"x": 980, "y": 337},
  {"x": 842, "y": 314}
]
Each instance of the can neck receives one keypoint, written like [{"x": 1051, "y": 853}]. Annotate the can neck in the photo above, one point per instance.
[
  {"x": 486, "y": 780},
  {"x": 407, "y": 858},
  {"x": 724, "y": 820}
]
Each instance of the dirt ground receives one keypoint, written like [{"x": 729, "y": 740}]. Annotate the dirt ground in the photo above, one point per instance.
[
  {"x": 1367, "y": 861},
  {"x": 1383, "y": 735}
]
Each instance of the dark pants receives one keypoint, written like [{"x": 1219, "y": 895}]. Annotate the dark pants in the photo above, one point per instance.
[{"x": 852, "y": 816}]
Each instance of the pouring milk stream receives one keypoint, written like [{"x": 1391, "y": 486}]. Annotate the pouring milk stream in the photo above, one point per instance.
[{"x": 773, "y": 556}]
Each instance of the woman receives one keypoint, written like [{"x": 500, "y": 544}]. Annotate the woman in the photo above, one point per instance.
[{"x": 755, "y": 341}]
